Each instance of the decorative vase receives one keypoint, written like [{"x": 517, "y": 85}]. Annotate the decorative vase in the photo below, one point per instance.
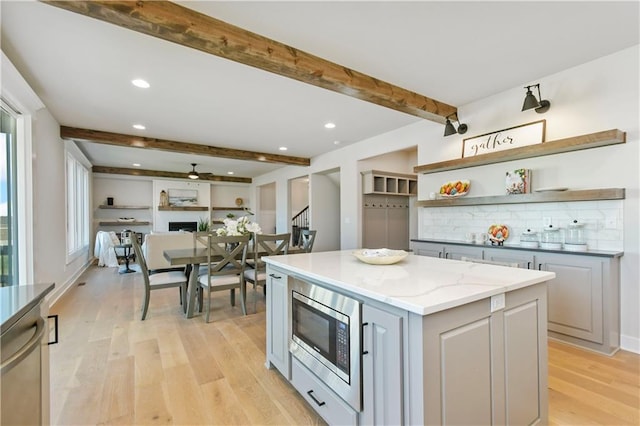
[{"x": 164, "y": 199}]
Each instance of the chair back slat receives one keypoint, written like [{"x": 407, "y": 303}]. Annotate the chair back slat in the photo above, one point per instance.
[
  {"x": 226, "y": 254},
  {"x": 308, "y": 238},
  {"x": 142, "y": 263},
  {"x": 269, "y": 245}
]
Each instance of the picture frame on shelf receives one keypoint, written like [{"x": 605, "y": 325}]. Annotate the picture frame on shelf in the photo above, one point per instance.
[
  {"x": 183, "y": 197},
  {"x": 512, "y": 137}
]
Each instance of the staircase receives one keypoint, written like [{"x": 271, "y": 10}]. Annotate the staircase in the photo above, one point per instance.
[{"x": 299, "y": 222}]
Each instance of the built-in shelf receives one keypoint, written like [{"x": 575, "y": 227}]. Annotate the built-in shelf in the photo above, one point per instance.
[
  {"x": 389, "y": 183},
  {"x": 228, "y": 208},
  {"x": 183, "y": 208},
  {"x": 593, "y": 140},
  {"x": 536, "y": 197},
  {"x": 118, "y": 223},
  {"x": 104, "y": 206}
]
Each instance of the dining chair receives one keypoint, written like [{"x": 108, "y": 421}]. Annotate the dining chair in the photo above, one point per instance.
[
  {"x": 307, "y": 238},
  {"x": 226, "y": 261},
  {"x": 158, "y": 280},
  {"x": 265, "y": 245}
]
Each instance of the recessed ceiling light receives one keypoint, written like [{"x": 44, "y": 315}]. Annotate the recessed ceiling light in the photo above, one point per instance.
[
  {"x": 336, "y": 142},
  {"x": 283, "y": 148},
  {"x": 136, "y": 164},
  {"x": 139, "y": 126},
  {"x": 329, "y": 125},
  {"x": 138, "y": 82},
  {"x": 229, "y": 173}
]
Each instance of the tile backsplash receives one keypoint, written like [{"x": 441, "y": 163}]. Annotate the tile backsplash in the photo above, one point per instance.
[{"x": 603, "y": 224}]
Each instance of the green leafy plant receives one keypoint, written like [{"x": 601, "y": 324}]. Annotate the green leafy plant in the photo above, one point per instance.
[{"x": 203, "y": 225}]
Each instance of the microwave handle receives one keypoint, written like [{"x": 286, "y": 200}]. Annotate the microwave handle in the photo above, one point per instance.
[{"x": 364, "y": 324}]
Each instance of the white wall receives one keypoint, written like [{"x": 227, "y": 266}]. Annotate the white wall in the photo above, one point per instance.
[
  {"x": 44, "y": 170},
  {"x": 595, "y": 96},
  {"x": 324, "y": 211}
]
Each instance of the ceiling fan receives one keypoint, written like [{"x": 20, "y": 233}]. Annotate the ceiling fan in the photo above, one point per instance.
[{"x": 195, "y": 175}]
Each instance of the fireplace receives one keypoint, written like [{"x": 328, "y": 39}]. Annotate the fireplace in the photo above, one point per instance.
[{"x": 183, "y": 226}]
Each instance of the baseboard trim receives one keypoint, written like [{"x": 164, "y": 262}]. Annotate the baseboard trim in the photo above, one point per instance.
[
  {"x": 60, "y": 290},
  {"x": 630, "y": 344}
]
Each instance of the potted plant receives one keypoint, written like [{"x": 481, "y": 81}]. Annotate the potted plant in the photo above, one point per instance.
[{"x": 203, "y": 225}]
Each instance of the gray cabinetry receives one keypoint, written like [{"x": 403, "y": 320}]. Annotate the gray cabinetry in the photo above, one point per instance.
[
  {"x": 584, "y": 306},
  {"x": 278, "y": 321},
  {"x": 446, "y": 251},
  {"x": 483, "y": 367},
  {"x": 382, "y": 367},
  {"x": 583, "y": 299},
  {"x": 524, "y": 259},
  {"x": 326, "y": 403}
]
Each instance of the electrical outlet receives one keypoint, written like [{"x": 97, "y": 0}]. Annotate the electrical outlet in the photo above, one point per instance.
[
  {"x": 546, "y": 221},
  {"x": 497, "y": 302}
]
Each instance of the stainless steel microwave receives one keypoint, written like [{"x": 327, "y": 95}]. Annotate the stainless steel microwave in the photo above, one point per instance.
[{"x": 326, "y": 338}]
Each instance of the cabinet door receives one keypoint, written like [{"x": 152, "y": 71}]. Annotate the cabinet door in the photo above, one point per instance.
[
  {"x": 398, "y": 224},
  {"x": 524, "y": 259},
  {"x": 522, "y": 360},
  {"x": 575, "y": 295},
  {"x": 374, "y": 232},
  {"x": 457, "y": 252},
  {"x": 427, "y": 249},
  {"x": 278, "y": 322},
  {"x": 381, "y": 367}
]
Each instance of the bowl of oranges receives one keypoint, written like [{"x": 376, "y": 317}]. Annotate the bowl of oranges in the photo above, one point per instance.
[{"x": 455, "y": 188}]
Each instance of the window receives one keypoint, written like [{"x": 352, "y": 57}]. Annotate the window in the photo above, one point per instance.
[
  {"x": 8, "y": 201},
  {"x": 77, "y": 206}
]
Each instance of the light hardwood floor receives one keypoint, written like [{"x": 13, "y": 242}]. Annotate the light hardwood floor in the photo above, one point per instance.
[{"x": 112, "y": 368}]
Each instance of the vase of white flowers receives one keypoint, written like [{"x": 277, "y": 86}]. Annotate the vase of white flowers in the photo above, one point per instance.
[{"x": 242, "y": 226}]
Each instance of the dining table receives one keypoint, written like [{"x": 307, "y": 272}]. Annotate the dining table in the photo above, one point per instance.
[{"x": 194, "y": 257}]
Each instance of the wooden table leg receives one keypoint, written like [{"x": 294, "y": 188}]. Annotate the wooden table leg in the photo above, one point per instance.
[{"x": 192, "y": 290}]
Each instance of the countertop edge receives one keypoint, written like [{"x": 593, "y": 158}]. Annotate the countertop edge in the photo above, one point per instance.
[
  {"x": 41, "y": 291},
  {"x": 397, "y": 302},
  {"x": 598, "y": 253}
]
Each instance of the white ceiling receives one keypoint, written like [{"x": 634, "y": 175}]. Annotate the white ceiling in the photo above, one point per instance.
[{"x": 455, "y": 52}]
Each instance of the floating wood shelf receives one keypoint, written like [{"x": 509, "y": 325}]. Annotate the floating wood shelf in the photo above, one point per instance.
[
  {"x": 536, "y": 197},
  {"x": 104, "y": 206},
  {"x": 228, "y": 208},
  {"x": 576, "y": 143},
  {"x": 117, "y": 223},
  {"x": 183, "y": 208}
]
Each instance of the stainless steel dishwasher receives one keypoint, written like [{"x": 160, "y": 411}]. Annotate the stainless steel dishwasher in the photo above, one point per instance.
[
  {"x": 24, "y": 381},
  {"x": 22, "y": 371}
]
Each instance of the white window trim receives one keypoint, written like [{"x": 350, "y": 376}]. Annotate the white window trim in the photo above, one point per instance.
[{"x": 79, "y": 160}]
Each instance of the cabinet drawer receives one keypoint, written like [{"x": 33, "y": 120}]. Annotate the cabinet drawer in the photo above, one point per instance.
[{"x": 332, "y": 409}]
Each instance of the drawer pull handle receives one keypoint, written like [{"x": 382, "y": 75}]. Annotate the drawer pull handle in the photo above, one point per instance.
[
  {"x": 275, "y": 276},
  {"x": 320, "y": 404},
  {"x": 364, "y": 324},
  {"x": 55, "y": 322}
]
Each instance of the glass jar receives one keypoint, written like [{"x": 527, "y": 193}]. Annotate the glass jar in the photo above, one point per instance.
[
  {"x": 551, "y": 237},
  {"x": 529, "y": 239},
  {"x": 575, "y": 233}
]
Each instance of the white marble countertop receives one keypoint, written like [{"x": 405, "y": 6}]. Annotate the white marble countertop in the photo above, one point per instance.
[{"x": 419, "y": 284}]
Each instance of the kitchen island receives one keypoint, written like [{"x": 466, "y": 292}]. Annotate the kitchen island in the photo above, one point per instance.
[{"x": 443, "y": 341}]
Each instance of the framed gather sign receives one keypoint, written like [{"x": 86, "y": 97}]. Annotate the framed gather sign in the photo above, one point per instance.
[{"x": 513, "y": 137}]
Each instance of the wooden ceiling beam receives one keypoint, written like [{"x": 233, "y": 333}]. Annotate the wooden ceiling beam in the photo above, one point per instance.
[
  {"x": 178, "y": 24},
  {"x": 163, "y": 174},
  {"x": 131, "y": 141}
]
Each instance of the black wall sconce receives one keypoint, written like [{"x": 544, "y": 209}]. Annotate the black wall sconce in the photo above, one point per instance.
[
  {"x": 530, "y": 101},
  {"x": 449, "y": 128}
]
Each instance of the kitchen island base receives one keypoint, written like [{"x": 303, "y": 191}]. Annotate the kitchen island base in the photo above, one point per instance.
[{"x": 481, "y": 362}]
